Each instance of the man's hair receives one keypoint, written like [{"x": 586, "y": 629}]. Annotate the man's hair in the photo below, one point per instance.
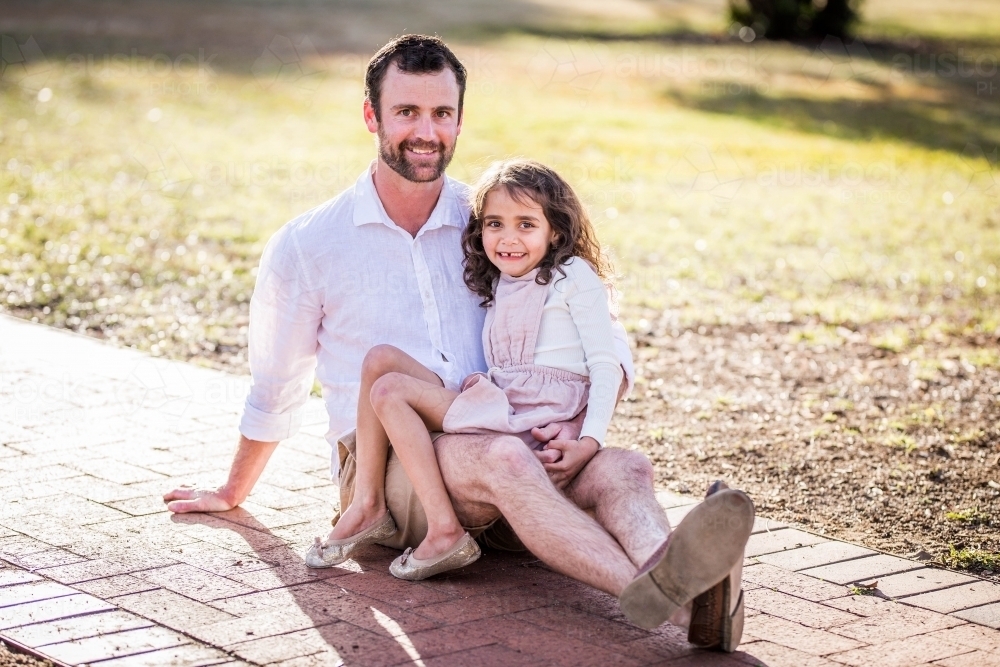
[{"x": 412, "y": 54}]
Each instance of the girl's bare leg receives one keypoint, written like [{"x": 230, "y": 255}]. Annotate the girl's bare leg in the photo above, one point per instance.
[
  {"x": 408, "y": 408},
  {"x": 368, "y": 505}
]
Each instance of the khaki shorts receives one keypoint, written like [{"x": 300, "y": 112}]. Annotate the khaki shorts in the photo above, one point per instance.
[{"x": 405, "y": 507}]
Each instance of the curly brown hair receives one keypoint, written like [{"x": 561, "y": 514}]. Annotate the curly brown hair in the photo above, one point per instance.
[{"x": 530, "y": 181}]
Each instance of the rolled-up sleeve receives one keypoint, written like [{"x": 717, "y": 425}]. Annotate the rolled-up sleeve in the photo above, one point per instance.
[{"x": 285, "y": 316}]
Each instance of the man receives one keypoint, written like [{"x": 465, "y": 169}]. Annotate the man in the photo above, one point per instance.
[{"x": 381, "y": 263}]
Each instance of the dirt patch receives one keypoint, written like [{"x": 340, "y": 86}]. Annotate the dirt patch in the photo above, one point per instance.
[
  {"x": 11, "y": 658},
  {"x": 898, "y": 450}
]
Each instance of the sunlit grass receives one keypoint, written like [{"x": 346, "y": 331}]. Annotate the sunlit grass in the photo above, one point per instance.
[
  {"x": 969, "y": 558},
  {"x": 732, "y": 184},
  {"x": 972, "y": 19},
  {"x": 972, "y": 515}
]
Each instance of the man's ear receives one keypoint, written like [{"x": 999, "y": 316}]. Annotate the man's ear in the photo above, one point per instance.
[{"x": 370, "y": 120}]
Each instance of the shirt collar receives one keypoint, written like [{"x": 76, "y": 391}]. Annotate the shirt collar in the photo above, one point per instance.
[{"x": 449, "y": 210}]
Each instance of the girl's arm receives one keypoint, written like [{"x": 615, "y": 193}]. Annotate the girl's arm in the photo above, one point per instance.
[{"x": 587, "y": 300}]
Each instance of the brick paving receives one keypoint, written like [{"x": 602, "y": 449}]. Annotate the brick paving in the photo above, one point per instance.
[{"x": 93, "y": 570}]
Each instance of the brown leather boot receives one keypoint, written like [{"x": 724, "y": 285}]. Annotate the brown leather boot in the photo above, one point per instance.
[{"x": 712, "y": 626}]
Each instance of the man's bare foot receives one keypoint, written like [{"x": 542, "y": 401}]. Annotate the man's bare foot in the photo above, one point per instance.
[
  {"x": 437, "y": 544},
  {"x": 357, "y": 520}
]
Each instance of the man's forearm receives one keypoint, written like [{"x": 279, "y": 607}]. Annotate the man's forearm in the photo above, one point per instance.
[{"x": 248, "y": 463}]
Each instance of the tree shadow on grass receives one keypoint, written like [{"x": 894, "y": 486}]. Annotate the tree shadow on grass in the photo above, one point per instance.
[
  {"x": 943, "y": 126},
  {"x": 240, "y": 37},
  {"x": 504, "y": 609},
  {"x": 937, "y": 95}
]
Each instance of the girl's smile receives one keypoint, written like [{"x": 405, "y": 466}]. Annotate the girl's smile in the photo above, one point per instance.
[{"x": 516, "y": 233}]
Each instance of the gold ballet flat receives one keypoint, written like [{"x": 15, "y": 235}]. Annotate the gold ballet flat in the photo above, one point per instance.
[
  {"x": 335, "y": 552},
  {"x": 465, "y": 552}
]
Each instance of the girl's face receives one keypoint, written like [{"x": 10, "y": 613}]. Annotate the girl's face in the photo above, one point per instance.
[{"x": 516, "y": 235}]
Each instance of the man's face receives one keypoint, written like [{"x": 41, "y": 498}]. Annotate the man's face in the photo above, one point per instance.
[{"x": 420, "y": 123}]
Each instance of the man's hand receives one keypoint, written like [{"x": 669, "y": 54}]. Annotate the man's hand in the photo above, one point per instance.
[
  {"x": 564, "y": 459},
  {"x": 248, "y": 462},
  {"x": 187, "y": 499}
]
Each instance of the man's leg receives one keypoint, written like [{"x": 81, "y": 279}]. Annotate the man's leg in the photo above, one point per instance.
[
  {"x": 486, "y": 475},
  {"x": 617, "y": 485},
  {"x": 491, "y": 475}
]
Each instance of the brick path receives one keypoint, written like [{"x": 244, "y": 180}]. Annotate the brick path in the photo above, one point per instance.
[{"x": 95, "y": 571}]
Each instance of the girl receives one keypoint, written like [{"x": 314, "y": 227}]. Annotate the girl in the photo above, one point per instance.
[{"x": 531, "y": 254}]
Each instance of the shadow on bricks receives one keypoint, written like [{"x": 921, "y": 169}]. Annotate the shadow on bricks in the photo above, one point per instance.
[{"x": 505, "y": 609}]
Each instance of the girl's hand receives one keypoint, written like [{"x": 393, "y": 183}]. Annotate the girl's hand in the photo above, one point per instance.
[
  {"x": 573, "y": 456},
  {"x": 559, "y": 430}
]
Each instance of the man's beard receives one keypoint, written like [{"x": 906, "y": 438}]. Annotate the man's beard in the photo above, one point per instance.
[{"x": 399, "y": 162}]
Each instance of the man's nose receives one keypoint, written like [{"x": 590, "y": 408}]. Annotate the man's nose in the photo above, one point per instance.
[{"x": 424, "y": 129}]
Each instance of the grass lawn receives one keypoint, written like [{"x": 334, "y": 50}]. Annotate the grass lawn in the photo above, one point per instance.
[{"x": 821, "y": 220}]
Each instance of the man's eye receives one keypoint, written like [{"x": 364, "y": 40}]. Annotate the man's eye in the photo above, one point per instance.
[{"x": 405, "y": 112}]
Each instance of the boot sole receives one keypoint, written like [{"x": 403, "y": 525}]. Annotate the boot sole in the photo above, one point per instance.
[{"x": 706, "y": 545}]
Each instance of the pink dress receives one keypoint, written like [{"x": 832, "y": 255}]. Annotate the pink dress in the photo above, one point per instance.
[{"x": 515, "y": 395}]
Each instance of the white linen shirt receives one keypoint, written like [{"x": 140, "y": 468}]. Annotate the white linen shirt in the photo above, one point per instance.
[{"x": 342, "y": 278}]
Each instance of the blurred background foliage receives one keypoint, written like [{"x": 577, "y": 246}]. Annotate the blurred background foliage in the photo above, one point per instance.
[{"x": 790, "y": 19}]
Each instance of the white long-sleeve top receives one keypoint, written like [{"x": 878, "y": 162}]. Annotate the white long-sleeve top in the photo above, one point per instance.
[
  {"x": 576, "y": 335},
  {"x": 343, "y": 277}
]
